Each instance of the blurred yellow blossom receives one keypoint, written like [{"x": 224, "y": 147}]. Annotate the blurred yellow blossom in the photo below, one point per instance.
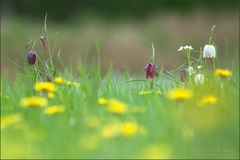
[
  {"x": 180, "y": 94},
  {"x": 129, "y": 128},
  {"x": 126, "y": 129},
  {"x": 33, "y": 101},
  {"x": 113, "y": 105},
  {"x": 58, "y": 80},
  {"x": 45, "y": 86},
  {"x": 54, "y": 109},
  {"x": 223, "y": 73},
  {"x": 208, "y": 100},
  {"x": 10, "y": 120},
  {"x": 116, "y": 106},
  {"x": 111, "y": 130},
  {"x": 102, "y": 101}
]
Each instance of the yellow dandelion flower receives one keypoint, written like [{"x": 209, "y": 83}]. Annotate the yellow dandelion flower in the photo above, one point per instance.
[
  {"x": 51, "y": 95},
  {"x": 129, "y": 128},
  {"x": 54, "y": 109},
  {"x": 111, "y": 130},
  {"x": 223, "y": 73},
  {"x": 102, "y": 101},
  {"x": 58, "y": 80},
  {"x": 209, "y": 100},
  {"x": 33, "y": 101},
  {"x": 45, "y": 86},
  {"x": 116, "y": 106},
  {"x": 180, "y": 94},
  {"x": 10, "y": 120}
]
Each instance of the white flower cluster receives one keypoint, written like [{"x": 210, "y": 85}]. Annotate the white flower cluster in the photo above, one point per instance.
[
  {"x": 183, "y": 48},
  {"x": 190, "y": 70}
]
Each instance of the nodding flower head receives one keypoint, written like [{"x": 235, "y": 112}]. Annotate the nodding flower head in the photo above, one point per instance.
[
  {"x": 49, "y": 79},
  {"x": 31, "y": 57},
  {"x": 151, "y": 70},
  {"x": 183, "y": 75},
  {"x": 209, "y": 51}
]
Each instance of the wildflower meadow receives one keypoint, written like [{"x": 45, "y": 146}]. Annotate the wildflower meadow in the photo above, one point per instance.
[{"x": 191, "y": 111}]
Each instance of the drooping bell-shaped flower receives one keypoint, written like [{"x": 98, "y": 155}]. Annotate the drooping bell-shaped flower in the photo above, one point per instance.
[
  {"x": 151, "y": 70},
  {"x": 48, "y": 78},
  {"x": 31, "y": 57},
  {"x": 183, "y": 75},
  {"x": 209, "y": 51}
]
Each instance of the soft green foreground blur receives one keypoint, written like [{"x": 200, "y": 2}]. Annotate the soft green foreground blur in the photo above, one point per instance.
[{"x": 167, "y": 128}]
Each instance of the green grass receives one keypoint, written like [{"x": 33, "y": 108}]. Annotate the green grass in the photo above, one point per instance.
[
  {"x": 165, "y": 128},
  {"x": 176, "y": 129}
]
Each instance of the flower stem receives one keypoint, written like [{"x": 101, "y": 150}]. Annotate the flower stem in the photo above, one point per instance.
[
  {"x": 213, "y": 62},
  {"x": 151, "y": 84}
]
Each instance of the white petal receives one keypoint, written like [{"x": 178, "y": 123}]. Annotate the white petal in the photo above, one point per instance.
[
  {"x": 180, "y": 48},
  {"x": 199, "y": 67},
  {"x": 209, "y": 51}
]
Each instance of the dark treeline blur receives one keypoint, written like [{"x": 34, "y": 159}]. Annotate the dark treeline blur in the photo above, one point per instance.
[{"x": 62, "y": 10}]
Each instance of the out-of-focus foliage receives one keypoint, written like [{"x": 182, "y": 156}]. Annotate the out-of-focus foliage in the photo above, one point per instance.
[{"x": 61, "y": 10}]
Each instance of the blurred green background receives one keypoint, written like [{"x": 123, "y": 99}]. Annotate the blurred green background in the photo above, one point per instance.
[{"x": 123, "y": 30}]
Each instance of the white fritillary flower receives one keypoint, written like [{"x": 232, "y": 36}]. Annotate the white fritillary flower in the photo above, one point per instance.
[{"x": 209, "y": 51}]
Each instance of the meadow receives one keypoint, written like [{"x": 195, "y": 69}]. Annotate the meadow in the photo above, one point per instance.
[{"x": 50, "y": 112}]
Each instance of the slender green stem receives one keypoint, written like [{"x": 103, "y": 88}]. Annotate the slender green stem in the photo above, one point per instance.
[
  {"x": 166, "y": 76},
  {"x": 153, "y": 54},
  {"x": 152, "y": 83},
  {"x": 177, "y": 68},
  {"x": 48, "y": 43},
  {"x": 210, "y": 40},
  {"x": 137, "y": 80},
  {"x": 214, "y": 65}
]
